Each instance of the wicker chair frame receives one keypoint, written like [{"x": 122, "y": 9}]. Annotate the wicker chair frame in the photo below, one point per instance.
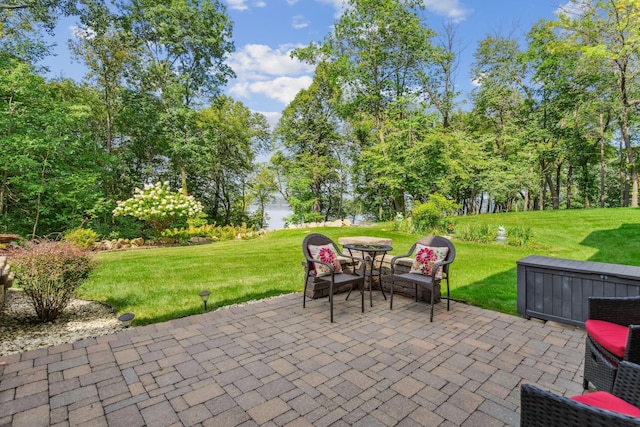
[
  {"x": 600, "y": 366},
  {"x": 334, "y": 279},
  {"x": 540, "y": 408},
  {"x": 428, "y": 282}
]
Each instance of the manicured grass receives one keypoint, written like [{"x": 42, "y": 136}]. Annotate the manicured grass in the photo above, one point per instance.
[{"x": 163, "y": 283}]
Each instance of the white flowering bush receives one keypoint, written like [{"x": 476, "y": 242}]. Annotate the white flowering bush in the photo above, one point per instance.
[{"x": 157, "y": 205}]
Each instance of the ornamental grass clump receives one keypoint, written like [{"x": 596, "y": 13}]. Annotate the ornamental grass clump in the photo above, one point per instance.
[
  {"x": 158, "y": 206},
  {"x": 50, "y": 272}
]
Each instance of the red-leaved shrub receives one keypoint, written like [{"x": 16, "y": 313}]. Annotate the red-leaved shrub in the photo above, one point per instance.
[{"x": 49, "y": 273}]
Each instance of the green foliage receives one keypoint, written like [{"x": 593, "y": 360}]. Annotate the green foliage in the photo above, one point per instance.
[
  {"x": 81, "y": 237},
  {"x": 50, "y": 272},
  {"x": 227, "y": 232},
  {"x": 400, "y": 223},
  {"x": 199, "y": 220},
  {"x": 427, "y": 216},
  {"x": 519, "y": 235},
  {"x": 476, "y": 232}
]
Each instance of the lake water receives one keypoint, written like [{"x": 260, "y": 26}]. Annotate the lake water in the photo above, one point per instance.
[{"x": 276, "y": 215}]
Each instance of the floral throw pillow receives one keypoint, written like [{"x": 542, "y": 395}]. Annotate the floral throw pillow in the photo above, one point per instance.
[
  {"x": 325, "y": 253},
  {"x": 426, "y": 257}
]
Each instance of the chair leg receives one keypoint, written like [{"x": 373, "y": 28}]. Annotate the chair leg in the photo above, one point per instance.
[
  {"x": 304, "y": 293},
  {"x": 415, "y": 286},
  {"x": 391, "y": 297},
  {"x": 585, "y": 384},
  {"x": 349, "y": 293},
  {"x": 331, "y": 299},
  {"x": 432, "y": 292},
  {"x": 362, "y": 295},
  {"x": 448, "y": 293}
]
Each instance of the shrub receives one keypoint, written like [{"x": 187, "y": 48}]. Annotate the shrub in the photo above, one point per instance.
[
  {"x": 158, "y": 206},
  {"x": 81, "y": 237},
  {"x": 476, "y": 232},
  {"x": 49, "y": 273},
  {"x": 519, "y": 235},
  {"x": 228, "y": 232},
  {"x": 427, "y": 216}
]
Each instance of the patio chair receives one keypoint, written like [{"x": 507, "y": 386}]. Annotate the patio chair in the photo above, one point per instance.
[
  {"x": 620, "y": 408},
  {"x": 323, "y": 265},
  {"x": 613, "y": 335},
  {"x": 427, "y": 274}
]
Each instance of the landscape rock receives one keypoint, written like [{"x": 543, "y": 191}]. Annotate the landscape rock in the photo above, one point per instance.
[{"x": 20, "y": 331}]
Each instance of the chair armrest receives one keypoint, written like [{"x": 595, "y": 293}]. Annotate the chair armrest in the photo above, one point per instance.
[
  {"x": 621, "y": 310},
  {"x": 395, "y": 258},
  {"x": 540, "y": 408},
  {"x": 328, "y": 264},
  {"x": 632, "y": 352},
  {"x": 627, "y": 383}
]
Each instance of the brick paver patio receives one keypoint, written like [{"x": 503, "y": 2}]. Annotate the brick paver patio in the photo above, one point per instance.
[{"x": 273, "y": 363}]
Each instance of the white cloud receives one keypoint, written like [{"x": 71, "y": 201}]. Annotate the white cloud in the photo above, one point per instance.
[
  {"x": 273, "y": 117},
  {"x": 237, "y": 4},
  {"x": 83, "y": 34},
  {"x": 260, "y": 59},
  {"x": 338, "y": 5},
  {"x": 259, "y": 3},
  {"x": 300, "y": 22},
  {"x": 282, "y": 89},
  {"x": 450, "y": 8},
  {"x": 292, "y": 2},
  {"x": 262, "y": 70},
  {"x": 572, "y": 8}
]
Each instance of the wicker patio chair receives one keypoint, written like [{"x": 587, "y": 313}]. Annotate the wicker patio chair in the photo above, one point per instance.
[
  {"x": 432, "y": 278},
  {"x": 540, "y": 408},
  {"x": 600, "y": 364},
  {"x": 322, "y": 269}
]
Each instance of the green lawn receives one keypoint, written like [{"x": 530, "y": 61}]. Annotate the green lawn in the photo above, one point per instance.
[{"x": 163, "y": 283}]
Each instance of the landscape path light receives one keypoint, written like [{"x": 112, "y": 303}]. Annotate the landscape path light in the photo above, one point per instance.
[
  {"x": 126, "y": 319},
  {"x": 205, "y": 297}
]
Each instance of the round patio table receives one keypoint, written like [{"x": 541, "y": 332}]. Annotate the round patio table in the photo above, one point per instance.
[{"x": 370, "y": 270}]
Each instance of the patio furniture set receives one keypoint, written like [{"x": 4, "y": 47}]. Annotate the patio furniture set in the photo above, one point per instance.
[
  {"x": 612, "y": 357},
  {"x": 612, "y": 350},
  {"x": 433, "y": 256}
]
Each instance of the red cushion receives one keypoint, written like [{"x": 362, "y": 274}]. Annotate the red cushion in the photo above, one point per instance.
[
  {"x": 609, "y": 335},
  {"x": 609, "y": 402}
]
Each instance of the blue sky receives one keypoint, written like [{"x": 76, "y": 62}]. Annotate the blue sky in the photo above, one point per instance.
[{"x": 265, "y": 31}]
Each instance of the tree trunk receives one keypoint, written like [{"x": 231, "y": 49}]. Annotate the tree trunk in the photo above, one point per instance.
[
  {"x": 183, "y": 180},
  {"x": 569, "y": 184},
  {"x": 543, "y": 195},
  {"x": 602, "y": 160},
  {"x": 3, "y": 190}
]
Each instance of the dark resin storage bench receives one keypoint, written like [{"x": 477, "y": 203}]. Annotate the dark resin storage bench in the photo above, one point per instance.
[{"x": 559, "y": 289}]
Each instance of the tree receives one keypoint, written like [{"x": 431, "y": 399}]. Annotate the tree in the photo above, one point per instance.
[
  {"x": 376, "y": 52},
  {"x": 608, "y": 31},
  {"x": 184, "y": 44},
  {"x": 502, "y": 101},
  {"x": 262, "y": 186},
  {"x": 105, "y": 49},
  {"x": 310, "y": 152},
  {"x": 49, "y": 164},
  {"x": 22, "y": 22},
  {"x": 230, "y": 136}
]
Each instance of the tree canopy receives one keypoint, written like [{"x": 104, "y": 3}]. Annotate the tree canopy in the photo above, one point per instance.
[{"x": 550, "y": 124}]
